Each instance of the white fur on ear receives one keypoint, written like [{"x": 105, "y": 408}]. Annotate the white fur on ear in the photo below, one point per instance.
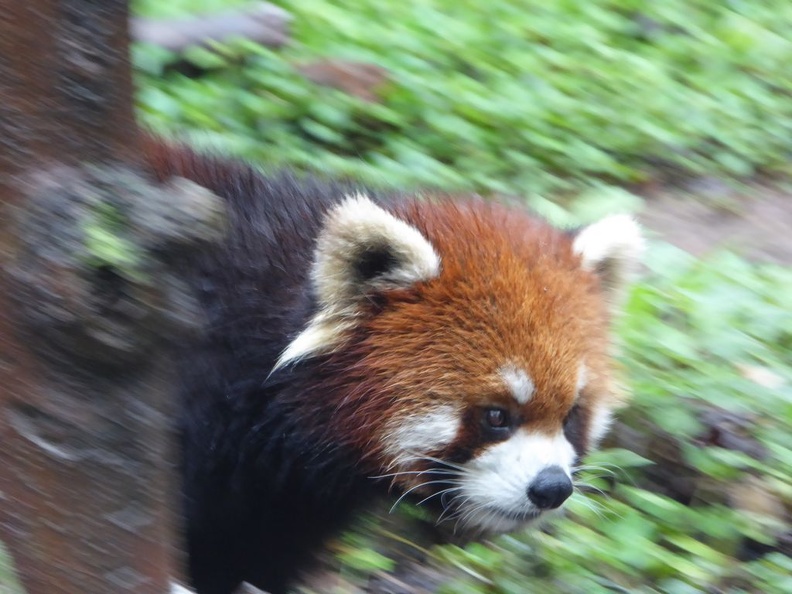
[
  {"x": 612, "y": 248},
  {"x": 361, "y": 248}
]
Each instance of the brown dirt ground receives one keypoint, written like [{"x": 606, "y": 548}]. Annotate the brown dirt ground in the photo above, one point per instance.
[{"x": 754, "y": 220}]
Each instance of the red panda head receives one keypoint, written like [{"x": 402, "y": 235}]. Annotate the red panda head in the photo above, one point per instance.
[{"x": 471, "y": 349}]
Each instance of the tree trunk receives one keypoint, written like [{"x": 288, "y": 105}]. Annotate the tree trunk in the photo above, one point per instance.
[{"x": 90, "y": 307}]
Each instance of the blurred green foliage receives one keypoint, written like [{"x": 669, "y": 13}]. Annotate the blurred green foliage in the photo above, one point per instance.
[
  {"x": 8, "y": 581},
  {"x": 510, "y": 96}
]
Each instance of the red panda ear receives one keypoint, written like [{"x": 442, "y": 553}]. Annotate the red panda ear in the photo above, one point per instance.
[
  {"x": 361, "y": 248},
  {"x": 612, "y": 248}
]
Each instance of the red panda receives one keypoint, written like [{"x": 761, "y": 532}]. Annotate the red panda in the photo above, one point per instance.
[{"x": 359, "y": 344}]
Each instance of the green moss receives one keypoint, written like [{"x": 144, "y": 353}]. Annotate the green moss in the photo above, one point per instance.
[
  {"x": 105, "y": 244},
  {"x": 8, "y": 582}
]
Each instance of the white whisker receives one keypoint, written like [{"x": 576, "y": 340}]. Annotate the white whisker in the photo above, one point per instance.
[
  {"x": 584, "y": 488},
  {"x": 411, "y": 489},
  {"x": 416, "y": 472},
  {"x": 441, "y": 493}
]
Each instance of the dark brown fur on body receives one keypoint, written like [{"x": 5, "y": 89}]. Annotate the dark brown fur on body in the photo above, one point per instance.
[
  {"x": 257, "y": 500},
  {"x": 276, "y": 457}
]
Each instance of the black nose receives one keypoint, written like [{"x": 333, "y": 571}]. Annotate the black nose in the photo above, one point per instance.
[{"x": 550, "y": 488}]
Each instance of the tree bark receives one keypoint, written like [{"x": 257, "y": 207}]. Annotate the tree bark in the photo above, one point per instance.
[{"x": 91, "y": 303}]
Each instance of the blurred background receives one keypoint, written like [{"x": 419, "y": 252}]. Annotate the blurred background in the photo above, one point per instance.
[{"x": 679, "y": 111}]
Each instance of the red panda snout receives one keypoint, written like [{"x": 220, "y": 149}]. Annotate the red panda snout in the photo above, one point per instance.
[
  {"x": 502, "y": 485},
  {"x": 550, "y": 488}
]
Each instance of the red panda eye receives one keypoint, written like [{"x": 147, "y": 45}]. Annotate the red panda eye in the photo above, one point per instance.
[{"x": 497, "y": 418}]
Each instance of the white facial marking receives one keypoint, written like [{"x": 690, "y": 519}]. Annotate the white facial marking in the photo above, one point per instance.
[
  {"x": 599, "y": 423},
  {"x": 179, "y": 589},
  {"x": 582, "y": 379},
  {"x": 494, "y": 493},
  {"x": 350, "y": 228},
  {"x": 421, "y": 434},
  {"x": 518, "y": 381}
]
